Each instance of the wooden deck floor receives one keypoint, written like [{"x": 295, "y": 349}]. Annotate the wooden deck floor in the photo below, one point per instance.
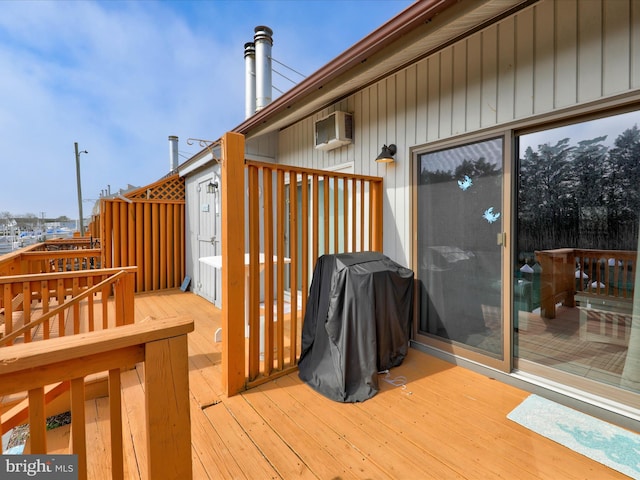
[{"x": 431, "y": 419}]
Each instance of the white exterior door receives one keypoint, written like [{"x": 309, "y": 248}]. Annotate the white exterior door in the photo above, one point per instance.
[{"x": 207, "y": 282}]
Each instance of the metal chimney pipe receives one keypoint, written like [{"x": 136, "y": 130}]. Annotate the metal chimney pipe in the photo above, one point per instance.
[
  {"x": 263, "y": 41},
  {"x": 173, "y": 153},
  {"x": 249, "y": 79}
]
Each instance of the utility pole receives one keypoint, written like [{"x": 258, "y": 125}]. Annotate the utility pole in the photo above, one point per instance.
[{"x": 79, "y": 187}]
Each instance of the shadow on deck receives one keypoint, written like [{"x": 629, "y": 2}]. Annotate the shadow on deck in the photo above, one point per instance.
[{"x": 430, "y": 419}]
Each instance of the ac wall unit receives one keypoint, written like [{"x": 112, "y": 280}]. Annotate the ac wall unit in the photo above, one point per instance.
[{"x": 334, "y": 131}]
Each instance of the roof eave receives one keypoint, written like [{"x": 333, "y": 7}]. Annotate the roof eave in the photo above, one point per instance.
[{"x": 406, "y": 21}]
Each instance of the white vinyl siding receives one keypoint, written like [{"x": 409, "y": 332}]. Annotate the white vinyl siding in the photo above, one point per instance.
[{"x": 553, "y": 55}]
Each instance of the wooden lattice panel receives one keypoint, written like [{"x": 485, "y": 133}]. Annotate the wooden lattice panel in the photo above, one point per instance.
[{"x": 170, "y": 188}]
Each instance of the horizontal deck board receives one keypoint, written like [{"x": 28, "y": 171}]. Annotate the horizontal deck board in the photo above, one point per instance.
[
  {"x": 249, "y": 458},
  {"x": 448, "y": 422},
  {"x": 386, "y": 446},
  {"x": 98, "y": 435},
  {"x": 209, "y": 446},
  {"x": 445, "y": 423},
  {"x": 283, "y": 458},
  {"x": 475, "y": 400},
  {"x": 395, "y": 409},
  {"x": 464, "y": 432},
  {"x": 320, "y": 449},
  {"x": 134, "y": 432}
]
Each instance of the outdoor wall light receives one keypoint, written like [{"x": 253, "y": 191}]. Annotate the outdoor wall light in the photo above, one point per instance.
[
  {"x": 387, "y": 153},
  {"x": 211, "y": 187}
]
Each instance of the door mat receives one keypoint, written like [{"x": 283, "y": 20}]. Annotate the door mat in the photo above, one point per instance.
[{"x": 603, "y": 442}]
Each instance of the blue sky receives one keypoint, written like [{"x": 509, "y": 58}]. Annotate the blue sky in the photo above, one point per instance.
[{"x": 119, "y": 77}]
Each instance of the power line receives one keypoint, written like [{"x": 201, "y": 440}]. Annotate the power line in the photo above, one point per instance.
[
  {"x": 284, "y": 76},
  {"x": 288, "y": 67}
]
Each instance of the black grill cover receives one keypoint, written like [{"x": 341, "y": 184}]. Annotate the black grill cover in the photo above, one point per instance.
[{"x": 357, "y": 323}]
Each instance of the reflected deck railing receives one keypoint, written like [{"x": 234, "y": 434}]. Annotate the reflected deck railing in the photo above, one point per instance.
[{"x": 600, "y": 277}]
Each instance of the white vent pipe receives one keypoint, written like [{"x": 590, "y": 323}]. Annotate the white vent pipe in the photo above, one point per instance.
[
  {"x": 263, "y": 42},
  {"x": 249, "y": 79},
  {"x": 173, "y": 153}
]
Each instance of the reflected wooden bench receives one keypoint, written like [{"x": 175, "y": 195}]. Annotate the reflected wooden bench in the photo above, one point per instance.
[{"x": 557, "y": 279}]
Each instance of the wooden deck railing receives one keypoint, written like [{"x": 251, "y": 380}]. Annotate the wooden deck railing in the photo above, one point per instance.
[
  {"x": 600, "y": 277},
  {"x": 160, "y": 344},
  {"x": 295, "y": 215},
  {"x": 74, "y": 243},
  {"x": 52, "y": 256},
  {"x": 42, "y": 261},
  {"x": 42, "y": 306}
]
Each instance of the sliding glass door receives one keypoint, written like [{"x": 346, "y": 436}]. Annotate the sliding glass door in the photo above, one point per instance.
[
  {"x": 557, "y": 298},
  {"x": 460, "y": 249},
  {"x": 575, "y": 271}
]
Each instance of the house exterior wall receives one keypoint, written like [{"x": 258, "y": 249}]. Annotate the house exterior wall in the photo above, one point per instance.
[
  {"x": 551, "y": 56},
  {"x": 264, "y": 147}
]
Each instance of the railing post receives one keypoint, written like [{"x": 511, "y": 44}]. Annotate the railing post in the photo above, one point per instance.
[
  {"x": 376, "y": 216},
  {"x": 78, "y": 425},
  {"x": 123, "y": 293},
  {"x": 233, "y": 249},
  {"x": 167, "y": 406},
  {"x": 119, "y": 288},
  {"x": 129, "y": 300},
  {"x": 106, "y": 232},
  {"x": 37, "y": 421},
  {"x": 115, "y": 422}
]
